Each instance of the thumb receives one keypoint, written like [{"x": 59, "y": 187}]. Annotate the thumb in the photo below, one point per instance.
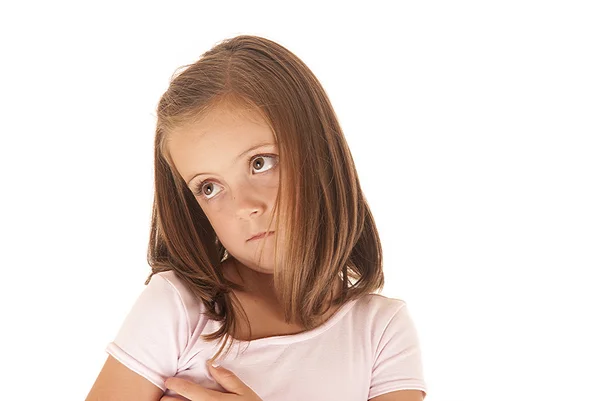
[{"x": 228, "y": 380}]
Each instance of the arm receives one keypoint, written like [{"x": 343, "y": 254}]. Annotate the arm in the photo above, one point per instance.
[
  {"x": 116, "y": 382},
  {"x": 146, "y": 348},
  {"x": 401, "y": 395},
  {"x": 397, "y": 370}
]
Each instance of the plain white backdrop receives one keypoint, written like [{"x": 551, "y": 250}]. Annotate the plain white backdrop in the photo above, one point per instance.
[{"x": 474, "y": 126}]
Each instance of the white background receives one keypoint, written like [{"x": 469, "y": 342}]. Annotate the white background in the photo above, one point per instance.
[{"x": 474, "y": 126}]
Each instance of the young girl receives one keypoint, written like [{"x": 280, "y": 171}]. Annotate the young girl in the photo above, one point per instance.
[{"x": 261, "y": 239}]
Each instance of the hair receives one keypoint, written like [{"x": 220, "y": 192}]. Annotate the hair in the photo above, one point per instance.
[{"x": 328, "y": 229}]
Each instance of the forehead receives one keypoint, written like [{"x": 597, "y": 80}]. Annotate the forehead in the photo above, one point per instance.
[{"x": 212, "y": 143}]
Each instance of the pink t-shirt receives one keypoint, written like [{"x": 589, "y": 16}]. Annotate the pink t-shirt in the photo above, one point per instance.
[{"x": 367, "y": 348}]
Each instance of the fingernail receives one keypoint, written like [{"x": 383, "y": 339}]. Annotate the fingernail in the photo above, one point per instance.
[{"x": 208, "y": 372}]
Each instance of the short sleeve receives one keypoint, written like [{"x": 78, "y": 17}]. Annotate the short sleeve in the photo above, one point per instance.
[
  {"x": 153, "y": 334},
  {"x": 398, "y": 364}
]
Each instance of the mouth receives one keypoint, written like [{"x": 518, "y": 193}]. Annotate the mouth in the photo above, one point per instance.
[{"x": 261, "y": 235}]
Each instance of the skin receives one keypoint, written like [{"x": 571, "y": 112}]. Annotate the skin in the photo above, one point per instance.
[
  {"x": 242, "y": 201},
  {"x": 238, "y": 198},
  {"x": 236, "y": 389},
  {"x": 242, "y": 193},
  {"x": 239, "y": 391}
]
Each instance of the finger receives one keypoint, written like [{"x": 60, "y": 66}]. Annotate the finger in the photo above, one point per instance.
[
  {"x": 229, "y": 381},
  {"x": 189, "y": 389},
  {"x": 169, "y": 398},
  {"x": 186, "y": 388}
]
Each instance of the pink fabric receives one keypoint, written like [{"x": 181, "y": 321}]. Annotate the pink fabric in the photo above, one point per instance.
[{"x": 367, "y": 348}]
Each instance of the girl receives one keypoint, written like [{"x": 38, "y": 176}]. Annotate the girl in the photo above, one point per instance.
[{"x": 258, "y": 212}]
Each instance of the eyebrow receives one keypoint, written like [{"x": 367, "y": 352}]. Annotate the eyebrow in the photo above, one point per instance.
[{"x": 260, "y": 145}]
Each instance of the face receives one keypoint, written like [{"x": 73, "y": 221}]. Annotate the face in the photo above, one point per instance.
[{"x": 230, "y": 162}]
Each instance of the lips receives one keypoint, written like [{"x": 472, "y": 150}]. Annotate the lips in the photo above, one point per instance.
[{"x": 261, "y": 235}]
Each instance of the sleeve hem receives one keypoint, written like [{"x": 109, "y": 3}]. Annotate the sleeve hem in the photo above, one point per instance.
[
  {"x": 127, "y": 360},
  {"x": 414, "y": 386}
]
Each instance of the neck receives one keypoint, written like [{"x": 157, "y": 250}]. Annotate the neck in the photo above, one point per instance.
[{"x": 257, "y": 283}]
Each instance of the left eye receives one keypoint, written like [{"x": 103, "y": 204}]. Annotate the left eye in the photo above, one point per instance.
[{"x": 258, "y": 162}]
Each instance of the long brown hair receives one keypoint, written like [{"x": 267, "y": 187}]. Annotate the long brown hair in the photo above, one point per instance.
[{"x": 328, "y": 229}]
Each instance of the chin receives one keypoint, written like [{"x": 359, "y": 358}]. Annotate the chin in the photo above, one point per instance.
[
  {"x": 262, "y": 268},
  {"x": 252, "y": 263}
]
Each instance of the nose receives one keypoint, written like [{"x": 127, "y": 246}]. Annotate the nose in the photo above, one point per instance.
[{"x": 249, "y": 201}]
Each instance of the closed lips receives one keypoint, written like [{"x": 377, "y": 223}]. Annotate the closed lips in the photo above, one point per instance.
[{"x": 260, "y": 235}]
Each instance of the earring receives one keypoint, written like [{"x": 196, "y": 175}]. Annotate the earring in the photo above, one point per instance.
[{"x": 226, "y": 254}]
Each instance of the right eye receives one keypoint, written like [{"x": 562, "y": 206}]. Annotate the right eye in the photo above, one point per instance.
[{"x": 206, "y": 190}]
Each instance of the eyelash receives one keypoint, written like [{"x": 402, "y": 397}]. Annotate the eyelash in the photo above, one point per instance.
[{"x": 198, "y": 188}]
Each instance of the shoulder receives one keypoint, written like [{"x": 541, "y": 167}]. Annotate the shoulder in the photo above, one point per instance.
[
  {"x": 164, "y": 302},
  {"x": 380, "y": 315},
  {"x": 397, "y": 363},
  {"x": 379, "y": 307},
  {"x": 168, "y": 281},
  {"x": 158, "y": 328},
  {"x": 154, "y": 333},
  {"x": 383, "y": 300}
]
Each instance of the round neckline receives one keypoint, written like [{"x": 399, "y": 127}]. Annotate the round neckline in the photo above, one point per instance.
[{"x": 305, "y": 335}]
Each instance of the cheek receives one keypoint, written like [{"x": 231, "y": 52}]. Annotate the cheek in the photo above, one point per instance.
[
  {"x": 223, "y": 224},
  {"x": 224, "y": 232},
  {"x": 216, "y": 220}
]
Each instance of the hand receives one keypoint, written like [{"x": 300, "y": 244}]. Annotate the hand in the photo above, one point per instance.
[{"x": 238, "y": 390}]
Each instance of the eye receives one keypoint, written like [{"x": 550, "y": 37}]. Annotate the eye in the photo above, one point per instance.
[
  {"x": 206, "y": 190},
  {"x": 258, "y": 161}
]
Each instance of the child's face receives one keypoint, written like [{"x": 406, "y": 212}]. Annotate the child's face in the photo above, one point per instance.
[{"x": 238, "y": 193}]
